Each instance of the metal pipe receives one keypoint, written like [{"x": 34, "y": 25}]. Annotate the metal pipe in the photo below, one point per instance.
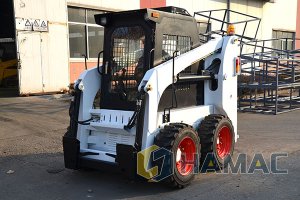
[
  {"x": 228, "y": 13},
  {"x": 173, "y": 81},
  {"x": 276, "y": 91},
  {"x": 192, "y": 78}
]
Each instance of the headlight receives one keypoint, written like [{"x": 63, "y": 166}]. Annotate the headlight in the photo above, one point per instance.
[{"x": 81, "y": 86}]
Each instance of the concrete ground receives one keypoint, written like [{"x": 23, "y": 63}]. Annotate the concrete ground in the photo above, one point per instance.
[{"x": 31, "y": 130}]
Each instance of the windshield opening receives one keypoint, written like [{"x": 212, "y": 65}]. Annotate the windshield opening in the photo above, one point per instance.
[{"x": 127, "y": 61}]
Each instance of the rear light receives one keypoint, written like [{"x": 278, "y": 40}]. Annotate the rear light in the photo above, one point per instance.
[
  {"x": 155, "y": 14},
  {"x": 237, "y": 66}
]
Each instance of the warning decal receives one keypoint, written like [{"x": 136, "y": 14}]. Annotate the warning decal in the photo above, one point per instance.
[{"x": 23, "y": 24}]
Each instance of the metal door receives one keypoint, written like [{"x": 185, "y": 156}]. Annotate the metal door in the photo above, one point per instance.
[{"x": 30, "y": 58}]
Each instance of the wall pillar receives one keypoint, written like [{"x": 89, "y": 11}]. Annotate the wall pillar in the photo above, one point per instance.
[
  {"x": 298, "y": 26},
  {"x": 152, "y": 3}
]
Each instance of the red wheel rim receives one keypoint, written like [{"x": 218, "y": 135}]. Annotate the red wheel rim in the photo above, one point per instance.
[
  {"x": 224, "y": 141},
  {"x": 185, "y": 156}
]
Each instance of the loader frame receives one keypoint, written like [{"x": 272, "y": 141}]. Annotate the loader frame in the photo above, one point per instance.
[{"x": 193, "y": 82}]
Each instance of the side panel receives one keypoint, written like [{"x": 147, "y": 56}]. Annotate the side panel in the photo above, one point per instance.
[
  {"x": 190, "y": 115},
  {"x": 107, "y": 129},
  {"x": 157, "y": 81},
  {"x": 91, "y": 81},
  {"x": 225, "y": 97}
]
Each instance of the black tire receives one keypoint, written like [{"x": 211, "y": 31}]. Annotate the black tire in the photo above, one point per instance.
[
  {"x": 170, "y": 137},
  {"x": 209, "y": 131}
]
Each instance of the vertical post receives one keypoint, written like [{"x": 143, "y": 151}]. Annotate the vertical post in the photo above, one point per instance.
[
  {"x": 276, "y": 91},
  {"x": 292, "y": 81},
  {"x": 207, "y": 27},
  {"x": 255, "y": 97},
  {"x": 281, "y": 48},
  {"x": 264, "y": 82},
  {"x": 291, "y": 91},
  {"x": 257, "y": 28},
  {"x": 288, "y": 70},
  {"x": 226, "y": 11},
  {"x": 293, "y": 72},
  {"x": 85, "y": 61},
  {"x": 228, "y": 14},
  {"x": 173, "y": 81},
  {"x": 250, "y": 97},
  {"x": 243, "y": 32},
  {"x": 239, "y": 96}
]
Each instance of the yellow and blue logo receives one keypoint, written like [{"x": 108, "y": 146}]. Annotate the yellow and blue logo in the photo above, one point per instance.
[{"x": 155, "y": 163}]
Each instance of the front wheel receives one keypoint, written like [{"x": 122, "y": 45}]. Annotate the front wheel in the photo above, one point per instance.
[
  {"x": 216, "y": 134},
  {"x": 183, "y": 142}
]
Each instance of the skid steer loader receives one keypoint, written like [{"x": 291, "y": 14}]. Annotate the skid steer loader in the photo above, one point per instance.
[{"x": 167, "y": 100}]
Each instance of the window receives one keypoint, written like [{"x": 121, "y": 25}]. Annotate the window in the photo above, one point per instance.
[
  {"x": 95, "y": 41},
  {"x": 128, "y": 59},
  {"x": 203, "y": 28},
  {"x": 286, "y": 41},
  {"x": 85, "y": 36},
  {"x": 172, "y": 43},
  {"x": 77, "y": 40},
  {"x": 182, "y": 44}
]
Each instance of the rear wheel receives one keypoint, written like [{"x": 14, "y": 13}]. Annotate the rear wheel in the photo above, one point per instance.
[
  {"x": 217, "y": 139},
  {"x": 182, "y": 140}
]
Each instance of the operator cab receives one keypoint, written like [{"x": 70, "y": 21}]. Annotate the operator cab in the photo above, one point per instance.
[{"x": 136, "y": 41}]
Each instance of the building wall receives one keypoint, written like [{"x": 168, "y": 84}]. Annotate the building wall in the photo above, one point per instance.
[
  {"x": 152, "y": 4},
  {"x": 51, "y": 72},
  {"x": 279, "y": 15},
  {"x": 250, "y": 7},
  {"x": 298, "y": 26},
  {"x": 77, "y": 65},
  {"x": 195, "y": 5},
  {"x": 58, "y": 70},
  {"x": 114, "y": 5}
]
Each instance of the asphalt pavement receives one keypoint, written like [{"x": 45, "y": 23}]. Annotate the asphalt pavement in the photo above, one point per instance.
[{"x": 31, "y": 159}]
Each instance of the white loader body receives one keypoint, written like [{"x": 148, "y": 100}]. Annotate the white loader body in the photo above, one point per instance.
[{"x": 107, "y": 127}]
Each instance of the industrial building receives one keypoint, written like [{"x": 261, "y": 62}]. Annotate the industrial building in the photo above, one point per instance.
[{"x": 44, "y": 44}]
